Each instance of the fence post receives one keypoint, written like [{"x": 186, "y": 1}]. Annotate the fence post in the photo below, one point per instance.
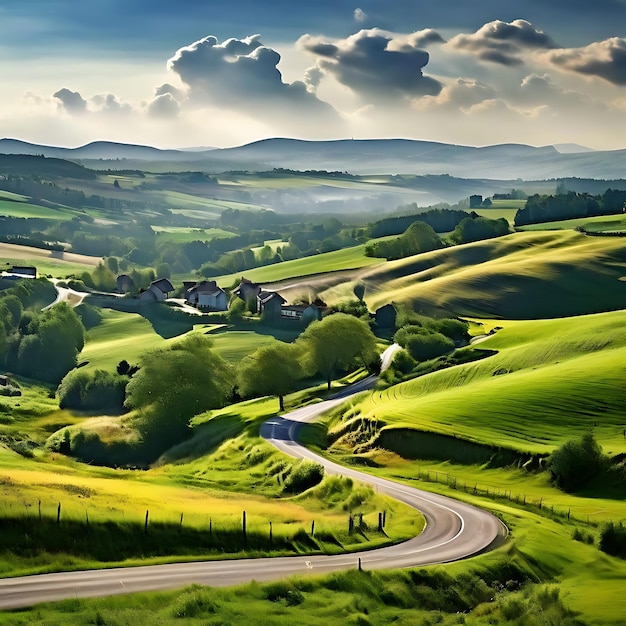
[
  {"x": 313, "y": 528},
  {"x": 145, "y": 524},
  {"x": 59, "y": 514},
  {"x": 380, "y": 522},
  {"x": 350, "y": 524},
  {"x": 181, "y": 521},
  {"x": 243, "y": 525},
  {"x": 271, "y": 535},
  {"x": 40, "y": 511},
  {"x": 384, "y": 518}
]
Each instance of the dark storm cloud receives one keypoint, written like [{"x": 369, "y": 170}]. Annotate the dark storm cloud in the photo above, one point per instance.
[
  {"x": 604, "y": 59},
  {"x": 502, "y": 42},
  {"x": 377, "y": 65},
  {"x": 243, "y": 75},
  {"x": 71, "y": 101}
]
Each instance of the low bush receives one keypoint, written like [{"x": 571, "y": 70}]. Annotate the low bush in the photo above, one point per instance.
[
  {"x": 576, "y": 462},
  {"x": 303, "y": 476},
  {"x": 613, "y": 539}
]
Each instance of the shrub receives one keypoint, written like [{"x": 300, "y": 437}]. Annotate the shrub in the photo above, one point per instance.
[
  {"x": 576, "y": 462},
  {"x": 303, "y": 476},
  {"x": 613, "y": 539},
  {"x": 428, "y": 346},
  {"x": 92, "y": 391}
]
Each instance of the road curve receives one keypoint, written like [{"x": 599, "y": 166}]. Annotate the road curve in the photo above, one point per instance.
[{"x": 454, "y": 530}]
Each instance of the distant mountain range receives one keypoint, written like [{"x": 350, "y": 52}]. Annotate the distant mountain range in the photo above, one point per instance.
[{"x": 356, "y": 156}]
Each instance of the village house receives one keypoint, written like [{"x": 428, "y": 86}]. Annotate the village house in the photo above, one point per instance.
[
  {"x": 269, "y": 304},
  {"x": 303, "y": 313},
  {"x": 206, "y": 295},
  {"x": 248, "y": 292},
  {"x": 158, "y": 291}
]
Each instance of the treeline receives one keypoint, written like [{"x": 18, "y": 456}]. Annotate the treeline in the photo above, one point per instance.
[
  {"x": 548, "y": 208},
  {"x": 440, "y": 220},
  {"x": 38, "y": 344},
  {"x": 39, "y": 190},
  {"x": 420, "y": 237}
]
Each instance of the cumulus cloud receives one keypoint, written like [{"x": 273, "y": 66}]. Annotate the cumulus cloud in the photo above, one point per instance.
[
  {"x": 242, "y": 74},
  {"x": 163, "y": 105},
  {"x": 166, "y": 88},
  {"x": 460, "y": 94},
  {"x": 503, "y": 42},
  {"x": 376, "y": 64},
  {"x": 71, "y": 101},
  {"x": 604, "y": 59}
]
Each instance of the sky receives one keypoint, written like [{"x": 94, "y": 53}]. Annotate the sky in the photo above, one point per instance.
[{"x": 212, "y": 73}]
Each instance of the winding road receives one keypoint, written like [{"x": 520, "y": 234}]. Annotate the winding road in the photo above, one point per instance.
[{"x": 454, "y": 530}]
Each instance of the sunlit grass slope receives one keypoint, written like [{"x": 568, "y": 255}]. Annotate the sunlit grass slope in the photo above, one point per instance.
[
  {"x": 126, "y": 336},
  {"x": 550, "y": 381},
  {"x": 348, "y": 258},
  {"x": 520, "y": 276}
]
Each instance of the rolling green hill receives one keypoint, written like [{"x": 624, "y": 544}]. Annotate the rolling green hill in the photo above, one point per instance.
[
  {"x": 520, "y": 276},
  {"x": 550, "y": 381}
]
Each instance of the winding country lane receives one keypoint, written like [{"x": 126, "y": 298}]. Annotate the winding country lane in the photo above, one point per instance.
[{"x": 454, "y": 530}]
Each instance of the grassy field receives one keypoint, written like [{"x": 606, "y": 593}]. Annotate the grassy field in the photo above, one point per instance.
[
  {"x": 25, "y": 209},
  {"x": 520, "y": 276},
  {"x": 600, "y": 223},
  {"x": 550, "y": 380},
  {"x": 119, "y": 336},
  {"x": 183, "y": 235},
  {"x": 57, "y": 264},
  {"x": 129, "y": 335},
  {"x": 348, "y": 258}
]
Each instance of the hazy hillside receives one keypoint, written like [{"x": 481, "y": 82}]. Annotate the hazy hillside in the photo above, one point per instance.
[{"x": 366, "y": 156}]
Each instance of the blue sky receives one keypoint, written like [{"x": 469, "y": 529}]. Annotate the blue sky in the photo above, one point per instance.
[{"x": 192, "y": 72}]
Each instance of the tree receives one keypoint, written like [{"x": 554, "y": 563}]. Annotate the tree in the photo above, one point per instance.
[
  {"x": 335, "y": 343},
  {"x": 272, "y": 371},
  {"x": 176, "y": 383}
]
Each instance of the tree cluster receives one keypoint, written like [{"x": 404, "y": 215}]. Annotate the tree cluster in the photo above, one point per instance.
[
  {"x": 38, "y": 344},
  {"x": 569, "y": 205},
  {"x": 97, "y": 390},
  {"x": 478, "y": 228},
  {"x": 440, "y": 220},
  {"x": 419, "y": 237},
  {"x": 327, "y": 347}
]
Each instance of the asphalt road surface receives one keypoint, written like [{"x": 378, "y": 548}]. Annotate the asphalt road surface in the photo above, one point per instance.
[{"x": 454, "y": 530}]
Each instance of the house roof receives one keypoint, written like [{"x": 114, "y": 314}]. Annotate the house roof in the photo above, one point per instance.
[
  {"x": 244, "y": 282},
  {"x": 209, "y": 287},
  {"x": 266, "y": 296},
  {"x": 163, "y": 284}
]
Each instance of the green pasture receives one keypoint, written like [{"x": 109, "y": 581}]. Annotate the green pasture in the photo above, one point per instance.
[
  {"x": 12, "y": 208},
  {"x": 127, "y": 336},
  {"x": 181, "y": 200},
  {"x": 519, "y": 276},
  {"x": 496, "y": 212},
  {"x": 53, "y": 262},
  {"x": 597, "y": 224},
  {"x": 15, "y": 197},
  {"x": 348, "y": 258},
  {"x": 550, "y": 381},
  {"x": 119, "y": 336},
  {"x": 183, "y": 234}
]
